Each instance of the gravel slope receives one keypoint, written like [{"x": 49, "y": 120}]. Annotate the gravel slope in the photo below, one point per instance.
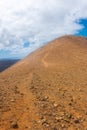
[{"x": 48, "y": 89}]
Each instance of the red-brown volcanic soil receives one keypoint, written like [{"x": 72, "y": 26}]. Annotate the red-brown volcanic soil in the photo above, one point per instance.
[{"x": 48, "y": 89}]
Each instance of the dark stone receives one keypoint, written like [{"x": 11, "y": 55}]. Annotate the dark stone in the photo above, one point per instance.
[
  {"x": 14, "y": 125},
  {"x": 77, "y": 121}
]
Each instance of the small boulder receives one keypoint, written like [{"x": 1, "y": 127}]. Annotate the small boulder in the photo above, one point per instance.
[
  {"x": 12, "y": 100},
  {"x": 77, "y": 121},
  {"x": 55, "y": 105},
  {"x": 14, "y": 125}
]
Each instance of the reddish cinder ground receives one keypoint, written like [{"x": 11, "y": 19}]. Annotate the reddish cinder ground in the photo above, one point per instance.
[{"x": 48, "y": 89}]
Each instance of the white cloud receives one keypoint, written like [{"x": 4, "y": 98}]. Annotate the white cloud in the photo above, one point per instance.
[{"x": 37, "y": 21}]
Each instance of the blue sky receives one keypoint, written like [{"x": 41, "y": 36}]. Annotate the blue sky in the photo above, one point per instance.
[
  {"x": 29, "y": 24},
  {"x": 83, "y": 32}
]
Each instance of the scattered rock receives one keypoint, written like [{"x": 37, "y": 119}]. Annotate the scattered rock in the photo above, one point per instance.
[
  {"x": 12, "y": 100},
  {"x": 21, "y": 94},
  {"x": 77, "y": 121},
  {"x": 26, "y": 127},
  {"x": 14, "y": 125},
  {"x": 70, "y": 104},
  {"x": 4, "y": 98},
  {"x": 62, "y": 125},
  {"x": 55, "y": 128},
  {"x": 72, "y": 99},
  {"x": 58, "y": 118},
  {"x": 44, "y": 98},
  {"x": 70, "y": 116},
  {"x": 59, "y": 89},
  {"x": 55, "y": 105},
  {"x": 86, "y": 112},
  {"x": 44, "y": 122}
]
